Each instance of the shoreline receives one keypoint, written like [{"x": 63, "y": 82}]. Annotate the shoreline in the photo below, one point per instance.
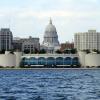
[{"x": 49, "y": 68}]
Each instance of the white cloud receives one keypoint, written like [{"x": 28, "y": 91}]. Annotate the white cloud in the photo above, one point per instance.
[
  {"x": 62, "y": 14},
  {"x": 26, "y": 13}
]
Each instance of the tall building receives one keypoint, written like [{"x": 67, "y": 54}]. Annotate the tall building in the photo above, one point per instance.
[
  {"x": 50, "y": 41},
  {"x": 6, "y": 38},
  {"x": 87, "y": 40}
]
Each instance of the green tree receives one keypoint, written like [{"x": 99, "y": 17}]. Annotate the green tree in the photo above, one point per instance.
[
  {"x": 2, "y": 51},
  {"x": 97, "y": 51},
  {"x": 36, "y": 50},
  {"x": 26, "y": 51},
  {"x": 58, "y": 51},
  {"x": 73, "y": 51},
  {"x": 42, "y": 51},
  {"x": 67, "y": 51},
  {"x": 86, "y": 51}
]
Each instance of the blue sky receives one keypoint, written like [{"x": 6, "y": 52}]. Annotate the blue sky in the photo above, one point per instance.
[{"x": 30, "y": 17}]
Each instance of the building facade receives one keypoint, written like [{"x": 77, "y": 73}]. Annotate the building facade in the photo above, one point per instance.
[
  {"x": 6, "y": 39},
  {"x": 50, "y": 60},
  {"x": 17, "y": 44},
  {"x": 50, "y": 42},
  {"x": 90, "y": 60},
  {"x": 31, "y": 44},
  {"x": 67, "y": 45},
  {"x": 88, "y": 40},
  {"x": 26, "y": 44}
]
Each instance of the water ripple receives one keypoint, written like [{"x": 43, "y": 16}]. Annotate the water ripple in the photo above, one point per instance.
[{"x": 50, "y": 84}]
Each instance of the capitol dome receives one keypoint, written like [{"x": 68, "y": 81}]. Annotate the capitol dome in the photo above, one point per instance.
[
  {"x": 50, "y": 36},
  {"x": 50, "y": 30}
]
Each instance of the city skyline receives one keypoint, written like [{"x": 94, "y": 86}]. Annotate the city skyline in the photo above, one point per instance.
[{"x": 31, "y": 17}]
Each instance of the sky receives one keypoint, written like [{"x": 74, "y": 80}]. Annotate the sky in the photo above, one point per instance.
[{"x": 30, "y": 17}]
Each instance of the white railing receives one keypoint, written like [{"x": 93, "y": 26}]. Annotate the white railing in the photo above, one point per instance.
[{"x": 50, "y": 55}]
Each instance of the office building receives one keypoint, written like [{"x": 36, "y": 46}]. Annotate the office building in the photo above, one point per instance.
[
  {"x": 87, "y": 40},
  {"x": 26, "y": 44},
  {"x": 6, "y": 38},
  {"x": 31, "y": 44}
]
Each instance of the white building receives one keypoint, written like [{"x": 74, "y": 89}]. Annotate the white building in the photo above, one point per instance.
[
  {"x": 50, "y": 42},
  {"x": 87, "y": 40}
]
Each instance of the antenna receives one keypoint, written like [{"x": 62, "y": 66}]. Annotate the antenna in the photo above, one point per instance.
[{"x": 50, "y": 20}]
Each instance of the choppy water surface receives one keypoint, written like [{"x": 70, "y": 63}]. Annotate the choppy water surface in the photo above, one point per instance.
[{"x": 50, "y": 84}]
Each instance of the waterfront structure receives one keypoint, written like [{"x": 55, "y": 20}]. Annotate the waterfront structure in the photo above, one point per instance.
[
  {"x": 50, "y": 60},
  {"x": 6, "y": 39},
  {"x": 50, "y": 42},
  {"x": 89, "y": 60},
  {"x": 88, "y": 40},
  {"x": 10, "y": 60},
  {"x": 17, "y": 59}
]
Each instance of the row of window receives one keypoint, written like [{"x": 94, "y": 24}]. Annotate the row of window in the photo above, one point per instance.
[{"x": 50, "y": 61}]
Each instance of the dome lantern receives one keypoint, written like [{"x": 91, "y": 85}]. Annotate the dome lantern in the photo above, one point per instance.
[{"x": 50, "y": 21}]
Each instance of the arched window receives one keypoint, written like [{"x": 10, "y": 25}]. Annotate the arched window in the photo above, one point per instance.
[
  {"x": 50, "y": 61},
  {"x": 26, "y": 61},
  {"x": 23, "y": 61},
  {"x": 59, "y": 61},
  {"x": 41, "y": 61},
  {"x": 75, "y": 61},
  {"x": 67, "y": 61},
  {"x": 33, "y": 61}
]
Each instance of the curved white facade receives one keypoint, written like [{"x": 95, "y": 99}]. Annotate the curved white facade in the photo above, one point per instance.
[
  {"x": 89, "y": 60},
  {"x": 18, "y": 58},
  {"x": 92, "y": 60},
  {"x": 82, "y": 58},
  {"x": 7, "y": 60},
  {"x": 14, "y": 60},
  {"x": 10, "y": 60}
]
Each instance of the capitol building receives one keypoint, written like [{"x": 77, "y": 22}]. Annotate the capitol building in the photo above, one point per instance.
[{"x": 50, "y": 42}]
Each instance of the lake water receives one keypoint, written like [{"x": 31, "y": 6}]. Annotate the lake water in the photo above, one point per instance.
[{"x": 50, "y": 84}]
